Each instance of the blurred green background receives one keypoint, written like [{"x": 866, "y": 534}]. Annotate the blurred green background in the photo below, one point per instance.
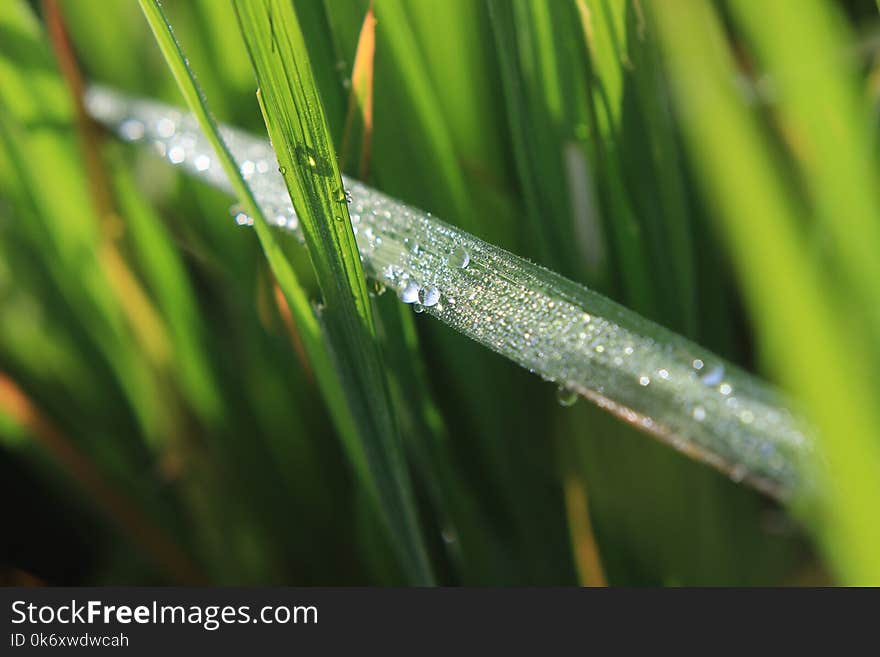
[{"x": 711, "y": 165}]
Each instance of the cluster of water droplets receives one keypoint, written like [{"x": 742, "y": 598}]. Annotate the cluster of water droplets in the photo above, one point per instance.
[{"x": 586, "y": 344}]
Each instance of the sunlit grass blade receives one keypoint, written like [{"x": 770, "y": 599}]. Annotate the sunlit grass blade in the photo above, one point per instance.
[
  {"x": 797, "y": 320},
  {"x": 641, "y": 372},
  {"x": 294, "y": 116},
  {"x": 801, "y": 47}
]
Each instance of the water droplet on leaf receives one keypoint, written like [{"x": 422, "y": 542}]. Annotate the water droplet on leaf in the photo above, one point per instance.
[
  {"x": 429, "y": 296},
  {"x": 410, "y": 292},
  {"x": 566, "y": 396},
  {"x": 459, "y": 258},
  {"x": 713, "y": 377}
]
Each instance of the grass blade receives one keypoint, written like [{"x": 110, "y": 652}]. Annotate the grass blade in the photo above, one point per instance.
[
  {"x": 294, "y": 116},
  {"x": 782, "y": 287},
  {"x": 644, "y": 374}
]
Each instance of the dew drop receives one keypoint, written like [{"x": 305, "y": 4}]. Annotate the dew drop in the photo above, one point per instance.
[
  {"x": 644, "y": 381},
  {"x": 282, "y": 170},
  {"x": 310, "y": 158},
  {"x": 429, "y": 296},
  {"x": 699, "y": 413},
  {"x": 459, "y": 258},
  {"x": 713, "y": 377},
  {"x": 377, "y": 289},
  {"x": 131, "y": 130},
  {"x": 566, "y": 396},
  {"x": 176, "y": 154},
  {"x": 418, "y": 308},
  {"x": 203, "y": 163},
  {"x": 165, "y": 128},
  {"x": 410, "y": 292}
]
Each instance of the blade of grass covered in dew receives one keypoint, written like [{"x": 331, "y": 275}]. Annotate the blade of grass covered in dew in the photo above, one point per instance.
[
  {"x": 730, "y": 429},
  {"x": 297, "y": 126},
  {"x": 307, "y": 323},
  {"x": 644, "y": 374},
  {"x": 804, "y": 46},
  {"x": 66, "y": 230},
  {"x": 784, "y": 289}
]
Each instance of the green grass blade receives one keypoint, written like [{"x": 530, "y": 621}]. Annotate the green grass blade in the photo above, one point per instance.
[
  {"x": 281, "y": 267},
  {"x": 165, "y": 275},
  {"x": 303, "y": 143},
  {"x": 802, "y": 46},
  {"x": 295, "y": 295},
  {"x": 792, "y": 308}
]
